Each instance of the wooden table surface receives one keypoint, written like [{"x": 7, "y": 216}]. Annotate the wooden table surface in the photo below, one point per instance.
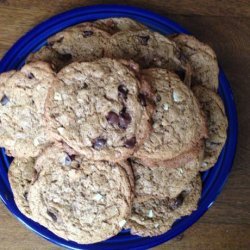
[{"x": 225, "y": 25}]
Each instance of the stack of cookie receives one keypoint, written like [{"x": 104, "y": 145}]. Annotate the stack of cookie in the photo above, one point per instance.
[{"x": 110, "y": 125}]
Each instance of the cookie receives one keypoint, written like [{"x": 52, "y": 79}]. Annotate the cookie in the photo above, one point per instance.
[
  {"x": 79, "y": 200},
  {"x": 155, "y": 216},
  {"x": 51, "y": 56},
  {"x": 145, "y": 47},
  {"x": 83, "y": 43},
  {"x": 202, "y": 59},
  {"x": 23, "y": 129},
  {"x": 178, "y": 123},
  {"x": 213, "y": 108},
  {"x": 21, "y": 176},
  {"x": 95, "y": 109},
  {"x": 113, "y": 25},
  {"x": 162, "y": 181},
  {"x": 77, "y": 43}
]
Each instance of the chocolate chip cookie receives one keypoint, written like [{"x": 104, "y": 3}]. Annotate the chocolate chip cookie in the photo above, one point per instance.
[
  {"x": 21, "y": 176},
  {"x": 217, "y": 125},
  {"x": 162, "y": 181},
  {"x": 113, "y": 25},
  {"x": 51, "y": 56},
  {"x": 23, "y": 129},
  {"x": 178, "y": 123},
  {"x": 77, "y": 43},
  {"x": 95, "y": 109},
  {"x": 202, "y": 59},
  {"x": 80, "y": 200},
  {"x": 145, "y": 47},
  {"x": 155, "y": 216}
]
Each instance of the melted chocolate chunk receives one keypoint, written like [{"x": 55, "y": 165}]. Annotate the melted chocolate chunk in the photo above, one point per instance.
[
  {"x": 99, "y": 143},
  {"x": 123, "y": 92},
  {"x": 112, "y": 118},
  {"x": 52, "y": 215},
  {"x": 31, "y": 75},
  {"x": 158, "y": 98},
  {"x": 144, "y": 40},
  {"x": 143, "y": 100},
  {"x": 4, "y": 100},
  {"x": 124, "y": 119},
  {"x": 87, "y": 33},
  {"x": 177, "y": 202},
  {"x": 65, "y": 57},
  {"x": 25, "y": 195},
  {"x": 181, "y": 73},
  {"x": 130, "y": 143}
]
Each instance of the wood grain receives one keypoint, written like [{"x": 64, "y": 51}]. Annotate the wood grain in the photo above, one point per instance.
[{"x": 225, "y": 25}]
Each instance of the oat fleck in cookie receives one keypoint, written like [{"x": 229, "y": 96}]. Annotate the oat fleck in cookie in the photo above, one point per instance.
[
  {"x": 217, "y": 125},
  {"x": 96, "y": 110},
  {"x": 23, "y": 130},
  {"x": 80, "y": 200}
]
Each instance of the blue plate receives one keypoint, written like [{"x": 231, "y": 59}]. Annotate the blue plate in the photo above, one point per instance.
[{"x": 213, "y": 180}]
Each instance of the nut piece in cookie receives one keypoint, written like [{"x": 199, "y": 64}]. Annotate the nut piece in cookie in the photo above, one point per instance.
[
  {"x": 23, "y": 130},
  {"x": 154, "y": 216},
  {"x": 95, "y": 109},
  {"x": 80, "y": 200},
  {"x": 217, "y": 123},
  {"x": 178, "y": 122},
  {"x": 202, "y": 59}
]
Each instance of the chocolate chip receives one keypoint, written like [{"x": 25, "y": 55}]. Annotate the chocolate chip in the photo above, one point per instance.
[
  {"x": 65, "y": 57},
  {"x": 112, "y": 118},
  {"x": 144, "y": 40},
  {"x": 177, "y": 202},
  {"x": 31, "y": 75},
  {"x": 4, "y": 100},
  {"x": 52, "y": 215},
  {"x": 99, "y": 143},
  {"x": 130, "y": 143},
  {"x": 122, "y": 91},
  {"x": 25, "y": 195},
  {"x": 142, "y": 99},
  {"x": 181, "y": 73},
  {"x": 87, "y": 33},
  {"x": 124, "y": 119},
  {"x": 158, "y": 98},
  {"x": 84, "y": 85}
]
